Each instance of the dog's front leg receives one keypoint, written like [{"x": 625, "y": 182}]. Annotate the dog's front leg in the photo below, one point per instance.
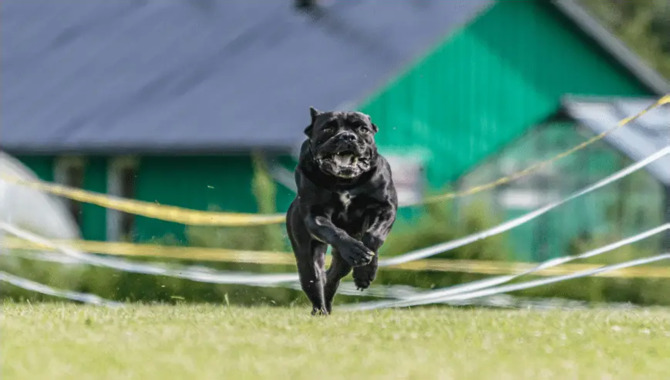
[
  {"x": 373, "y": 238},
  {"x": 380, "y": 224},
  {"x": 311, "y": 268},
  {"x": 352, "y": 251}
]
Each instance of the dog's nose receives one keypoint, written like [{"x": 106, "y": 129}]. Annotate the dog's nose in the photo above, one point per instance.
[{"x": 348, "y": 136}]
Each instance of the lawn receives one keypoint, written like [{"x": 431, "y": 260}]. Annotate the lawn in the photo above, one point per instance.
[{"x": 66, "y": 341}]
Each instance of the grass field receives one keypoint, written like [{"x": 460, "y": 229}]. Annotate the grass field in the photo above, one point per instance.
[{"x": 56, "y": 341}]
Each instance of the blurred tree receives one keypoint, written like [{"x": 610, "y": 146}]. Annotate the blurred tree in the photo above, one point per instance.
[{"x": 644, "y": 25}]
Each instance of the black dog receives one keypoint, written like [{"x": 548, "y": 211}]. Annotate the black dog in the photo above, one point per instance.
[{"x": 346, "y": 199}]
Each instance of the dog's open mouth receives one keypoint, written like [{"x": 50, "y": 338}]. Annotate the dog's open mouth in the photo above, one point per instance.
[
  {"x": 344, "y": 159},
  {"x": 345, "y": 164}
]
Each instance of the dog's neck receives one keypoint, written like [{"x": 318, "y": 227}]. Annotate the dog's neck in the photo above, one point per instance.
[{"x": 326, "y": 180}]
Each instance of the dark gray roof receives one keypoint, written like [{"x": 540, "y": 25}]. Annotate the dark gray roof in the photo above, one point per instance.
[
  {"x": 638, "y": 139},
  {"x": 198, "y": 75},
  {"x": 615, "y": 47}
]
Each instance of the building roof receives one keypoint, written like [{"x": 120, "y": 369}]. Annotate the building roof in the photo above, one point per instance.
[
  {"x": 209, "y": 76},
  {"x": 181, "y": 76},
  {"x": 638, "y": 139}
]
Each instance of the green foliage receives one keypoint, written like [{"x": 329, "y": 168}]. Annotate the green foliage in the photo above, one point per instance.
[
  {"x": 62, "y": 276},
  {"x": 437, "y": 223},
  {"x": 600, "y": 289},
  {"x": 644, "y": 25}
]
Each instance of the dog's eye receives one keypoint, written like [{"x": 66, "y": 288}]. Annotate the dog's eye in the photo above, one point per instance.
[
  {"x": 363, "y": 129},
  {"x": 330, "y": 127}
]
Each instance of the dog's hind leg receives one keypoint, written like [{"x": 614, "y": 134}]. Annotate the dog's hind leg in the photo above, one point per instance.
[{"x": 338, "y": 269}]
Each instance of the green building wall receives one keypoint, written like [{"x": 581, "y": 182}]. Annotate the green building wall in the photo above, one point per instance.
[
  {"x": 485, "y": 85},
  {"x": 93, "y": 218},
  {"x": 198, "y": 182},
  {"x": 42, "y": 166},
  {"x": 221, "y": 183}
]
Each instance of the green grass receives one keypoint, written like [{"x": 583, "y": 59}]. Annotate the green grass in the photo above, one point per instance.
[{"x": 56, "y": 341}]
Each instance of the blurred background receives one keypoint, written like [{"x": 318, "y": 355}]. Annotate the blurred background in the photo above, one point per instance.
[{"x": 202, "y": 104}]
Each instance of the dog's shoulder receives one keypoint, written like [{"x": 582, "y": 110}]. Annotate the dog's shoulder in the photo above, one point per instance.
[
  {"x": 305, "y": 151},
  {"x": 309, "y": 181},
  {"x": 382, "y": 174},
  {"x": 384, "y": 166},
  {"x": 383, "y": 180}
]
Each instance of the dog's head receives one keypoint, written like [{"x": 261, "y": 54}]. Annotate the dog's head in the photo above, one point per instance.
[{"x": 343, "y": 143}]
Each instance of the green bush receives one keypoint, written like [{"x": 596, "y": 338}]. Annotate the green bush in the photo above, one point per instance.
[
  {"x": 609, "y": 289},
  {"x": 644, "y": 25},
  {"x": 257, "y": 238},
  {"x": 434, "y": 224},
  {"x": 57, "y": 275},
  {"x": 62, "y": 276}
]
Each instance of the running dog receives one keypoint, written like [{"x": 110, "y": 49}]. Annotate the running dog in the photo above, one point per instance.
[{"x": 346, "y": 199}]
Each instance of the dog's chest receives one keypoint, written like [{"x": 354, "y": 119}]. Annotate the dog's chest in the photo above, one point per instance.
[
  {"x": 346, "y": 210},
  {"x": 345, "y": 199}
]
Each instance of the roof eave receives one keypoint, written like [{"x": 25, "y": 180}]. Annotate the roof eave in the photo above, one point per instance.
[
  {"x": 594, "y": 29},
  {"x": 567, "y": 112}
]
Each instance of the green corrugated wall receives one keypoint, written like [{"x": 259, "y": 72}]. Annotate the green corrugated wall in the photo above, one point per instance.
[
  {"x": 199, "y": 182},
  {"x": 488, "y": 83},
  {"x": 93, "y": 220},
  {"x": 42, "y": 166}
]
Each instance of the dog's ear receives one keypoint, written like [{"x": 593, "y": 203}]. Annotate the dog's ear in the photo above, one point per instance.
[
  {"x": 374, "y": 127},
  {"x": 314, "y": 113}
]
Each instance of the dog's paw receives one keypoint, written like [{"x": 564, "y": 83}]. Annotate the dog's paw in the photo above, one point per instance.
[
  {"x": 319, "y": 312},
  {"x": 363, "y": 276},
  {"x": 355, "y": 253}
]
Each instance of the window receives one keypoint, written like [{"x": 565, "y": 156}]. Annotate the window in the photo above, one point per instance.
[
  {"x": 121, "y": 182},
  {"x": 69, "y": 171}
]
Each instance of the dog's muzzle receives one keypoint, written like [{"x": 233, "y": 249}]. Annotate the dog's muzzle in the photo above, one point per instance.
[{"x": 344, "y": 157}]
